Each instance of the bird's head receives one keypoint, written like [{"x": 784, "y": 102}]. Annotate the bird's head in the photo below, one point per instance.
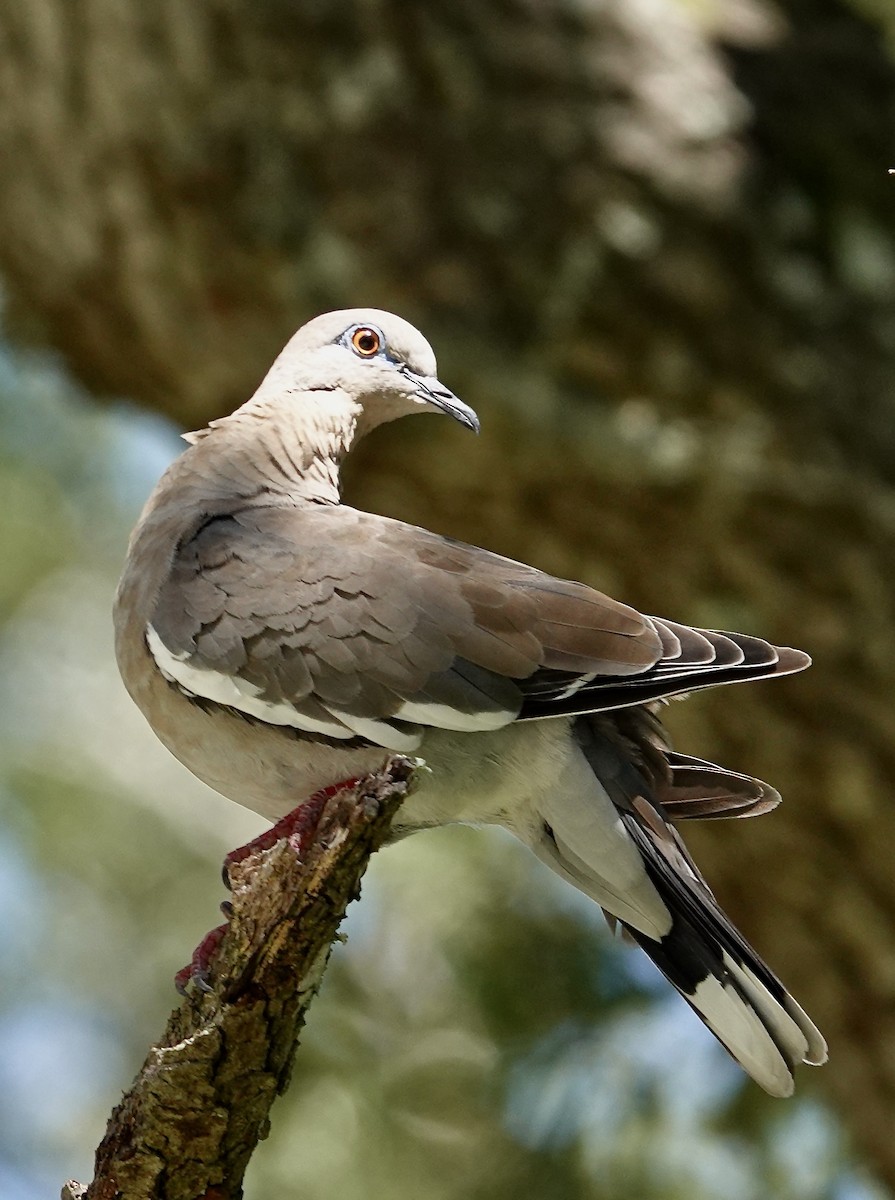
[{"x": 376, "y": 359}]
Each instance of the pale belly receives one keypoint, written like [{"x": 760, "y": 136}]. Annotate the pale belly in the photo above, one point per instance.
[
  {"x": 531, "y": 778},
  {"x": 484, "y": 778}
]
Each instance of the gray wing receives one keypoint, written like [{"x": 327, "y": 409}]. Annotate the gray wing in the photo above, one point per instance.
[{"x": 347, "y": 624}]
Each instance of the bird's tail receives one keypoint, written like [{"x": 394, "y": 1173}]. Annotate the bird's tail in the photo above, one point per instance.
[
  {"x": 662, "y": 900},
  {"x": 725, "y": 981}
]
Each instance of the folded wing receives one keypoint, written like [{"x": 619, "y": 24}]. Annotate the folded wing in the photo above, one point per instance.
[{"x": 350, "y": 625}]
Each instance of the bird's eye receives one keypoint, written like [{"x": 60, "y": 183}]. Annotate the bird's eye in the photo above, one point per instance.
[{"x": 366, "y": 341}]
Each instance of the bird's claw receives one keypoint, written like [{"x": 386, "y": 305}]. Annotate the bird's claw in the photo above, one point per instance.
[
  {"x": 196, "y": 970},
  {"x": 298, "y": 827}
]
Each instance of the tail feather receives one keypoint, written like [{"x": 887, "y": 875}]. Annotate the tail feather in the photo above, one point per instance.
[
  {"x": 663, "y": 902},
  {"x": 725, "y": 981},
  {"x": 699, "y": 791}
]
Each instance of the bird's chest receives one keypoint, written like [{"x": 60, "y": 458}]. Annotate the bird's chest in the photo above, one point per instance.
[{"x": 267, "y": 768}]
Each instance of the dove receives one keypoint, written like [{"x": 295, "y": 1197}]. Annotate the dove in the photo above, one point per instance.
[{"x": 280, "y": 642}]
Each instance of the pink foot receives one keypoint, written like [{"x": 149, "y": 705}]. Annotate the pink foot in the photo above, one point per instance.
[
  {"x": 196, "y": 970},
  {"x": 298, "y": 826}
]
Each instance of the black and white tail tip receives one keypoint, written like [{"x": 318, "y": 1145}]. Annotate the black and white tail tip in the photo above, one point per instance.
[{"x": 729, "y": 986}]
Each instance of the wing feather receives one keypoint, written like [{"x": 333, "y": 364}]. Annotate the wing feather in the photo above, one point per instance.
[{"x": 369, "y": 621}]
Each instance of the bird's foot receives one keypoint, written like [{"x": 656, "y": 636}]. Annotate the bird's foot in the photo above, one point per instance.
[
  {"x": 196, "y": 970},
  {"x": 298, "y": 826}
]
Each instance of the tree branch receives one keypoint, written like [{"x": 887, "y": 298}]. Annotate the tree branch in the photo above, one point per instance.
[{"x": 201, "y": 1102}]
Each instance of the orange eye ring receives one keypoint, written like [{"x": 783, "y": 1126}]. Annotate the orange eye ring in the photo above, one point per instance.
[{"x": 366, "y": 341}]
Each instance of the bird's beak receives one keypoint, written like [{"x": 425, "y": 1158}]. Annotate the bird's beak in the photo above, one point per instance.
[{"x": 431, "y": 391}]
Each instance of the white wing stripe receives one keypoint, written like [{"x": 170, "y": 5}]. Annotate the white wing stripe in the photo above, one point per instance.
[
  {"x": 235, "y": 692},
  {"x": 430, "y": 712}
]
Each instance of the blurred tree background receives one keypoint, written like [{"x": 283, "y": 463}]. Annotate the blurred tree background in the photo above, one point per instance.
[{"x": 653, "y": 243}]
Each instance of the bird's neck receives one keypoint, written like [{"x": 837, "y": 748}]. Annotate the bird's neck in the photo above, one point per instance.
[
  {"x": 264, "y": 454},
  {"x": 287, "y": 449}
]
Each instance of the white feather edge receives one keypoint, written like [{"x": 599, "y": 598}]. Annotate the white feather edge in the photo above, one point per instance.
[
  {"x": 754, "y": 1025},
  {"x": 791, "y": 1025},
  {"x": 236, "y": 692},
  {"x": 736, "y": 1024}
]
